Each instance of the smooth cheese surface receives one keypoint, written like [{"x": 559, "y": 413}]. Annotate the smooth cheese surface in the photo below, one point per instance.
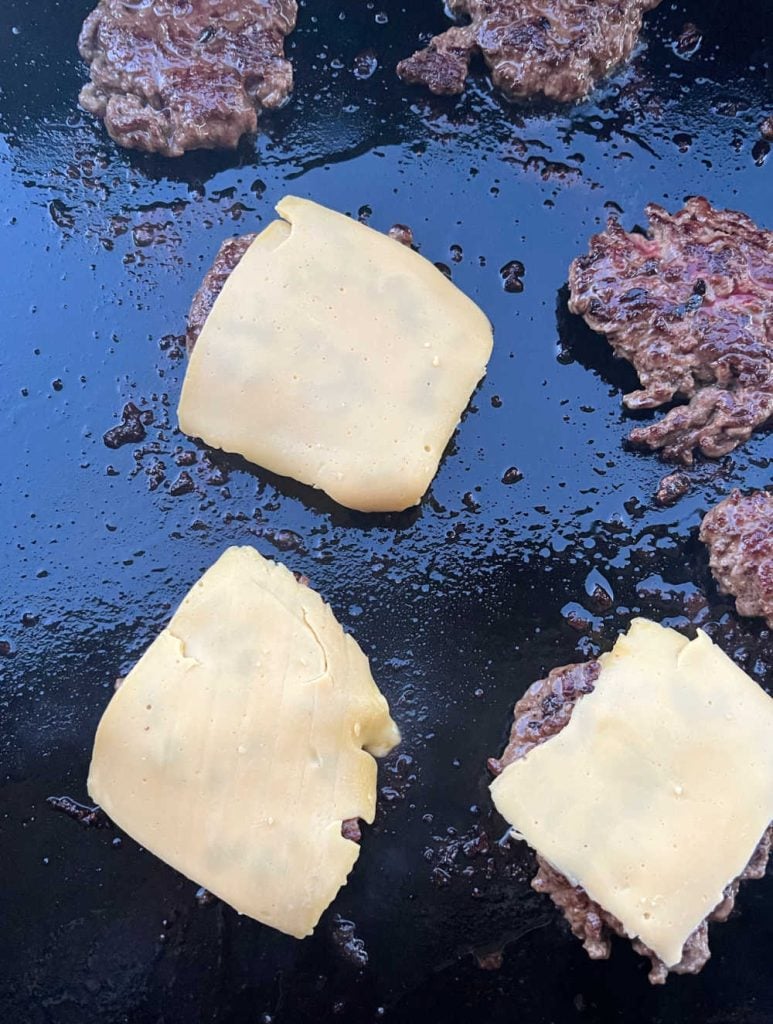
[
  {"x": 337, "y": 356},
  {"x": 234, "y": 748},
  {"x": 656, "y": 793}
]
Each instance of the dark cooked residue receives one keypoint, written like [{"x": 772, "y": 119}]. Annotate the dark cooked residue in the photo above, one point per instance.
[
  {"x": 131, "y": 429},
  {"x": 91, "y": 817},
  {"x": 350, "y": 946}
]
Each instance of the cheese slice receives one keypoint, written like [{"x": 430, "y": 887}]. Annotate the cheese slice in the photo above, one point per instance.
[
  {"x": 236, "y": 746},
  {"x": 656, "y": 793},
  {"x": 337, "y": 356}
]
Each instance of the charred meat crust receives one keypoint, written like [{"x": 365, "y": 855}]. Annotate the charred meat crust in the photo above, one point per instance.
[
  {"x": 541, "y": 713},
  {"x": 739, "y": 535},
  {"x": 554, "y": 48},
  {"x": 169, "y": 76},
  {"x": 690, "y": 304}
]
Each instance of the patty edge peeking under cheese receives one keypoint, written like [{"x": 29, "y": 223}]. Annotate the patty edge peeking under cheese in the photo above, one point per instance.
[{"x": 668, "y": 753}]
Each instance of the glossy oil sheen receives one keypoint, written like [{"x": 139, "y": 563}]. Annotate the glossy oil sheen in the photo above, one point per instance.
[{"x": 460, "y": 604}]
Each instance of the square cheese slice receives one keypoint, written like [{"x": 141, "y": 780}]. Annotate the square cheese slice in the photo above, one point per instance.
[
  {"x": 656, "y": 793},
  {"x": 337, "y": 356},
  {"x": 237, "y": 745}
]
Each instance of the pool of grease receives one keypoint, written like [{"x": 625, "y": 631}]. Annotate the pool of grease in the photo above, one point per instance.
[{"x": 538, "y": 541}]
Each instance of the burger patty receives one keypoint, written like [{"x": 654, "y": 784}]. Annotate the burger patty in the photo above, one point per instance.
[
  {"x": 554, "y": 48},
  {"x": 690, "y": 304},
  {"x": 173, "y": 75},
  {"x": 739, "y": 535},
  {"x": 541, "y": 713}
]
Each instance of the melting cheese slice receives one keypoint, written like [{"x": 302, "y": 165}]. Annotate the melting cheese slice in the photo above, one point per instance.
[
  {"x": 337, "y": 356},
  {"x": 234, "y": 748},
  {"x": 656, "y": 793}
]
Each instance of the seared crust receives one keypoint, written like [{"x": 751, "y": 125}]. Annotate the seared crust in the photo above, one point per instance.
[
  {"x": 554, "y": 48},
  {"x": 541, "y": 713},
  {"x": 690, "y": 304},
  {"x": 168, "y": 76},
  {"x": 739, "y": 535}
]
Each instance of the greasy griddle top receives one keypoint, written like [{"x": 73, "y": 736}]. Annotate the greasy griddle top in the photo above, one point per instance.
[{"x": 461, "y": 604}]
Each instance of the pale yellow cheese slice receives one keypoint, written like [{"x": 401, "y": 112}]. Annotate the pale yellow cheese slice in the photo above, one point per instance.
[
  {"x": 234, "y": 748},
  {"x": 656, "y": 793},
  {"x": 337, "y": 356}
]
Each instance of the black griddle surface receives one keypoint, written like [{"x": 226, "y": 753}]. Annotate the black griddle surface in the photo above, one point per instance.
[{"x": 460, "y": 604}]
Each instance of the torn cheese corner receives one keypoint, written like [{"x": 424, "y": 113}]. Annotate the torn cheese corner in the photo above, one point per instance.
[
  {"x": 238, "y": 744},
  {"x": 656, "y": 793},
  {"x": 336, "y": 356}
]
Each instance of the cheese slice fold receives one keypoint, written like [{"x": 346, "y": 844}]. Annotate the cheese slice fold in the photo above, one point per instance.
[
  {"x": 658, "y": 790},
  {"x": 236, "y": 746},
  {"x": 336, "y": 356}
]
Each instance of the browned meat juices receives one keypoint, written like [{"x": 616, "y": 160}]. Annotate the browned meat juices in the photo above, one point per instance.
[
  {"x": 739, "y": 536},
  {"x": 555, "y": 48},
  {"x": 690, "y": 304},
  {"x": 542, "y": 712},
  {"x": 172, "y": 75}
]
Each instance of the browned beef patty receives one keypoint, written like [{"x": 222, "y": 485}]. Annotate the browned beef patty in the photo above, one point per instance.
[
  {"x": 172, "y": 75},
  {"x": 690, "y": 304},
  {"x": 542, "y": 712},
  {"x": 739, "y": 535},
  {"x": 554, "y": 48}
]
